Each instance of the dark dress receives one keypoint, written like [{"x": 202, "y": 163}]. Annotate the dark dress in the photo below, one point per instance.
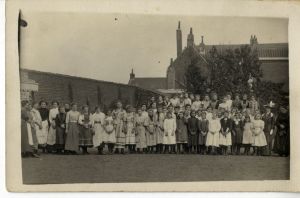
[
  {"x": 181, "y": 131},
  {"x": 282, "y": 138},
  {"x": 203, "y": 127},
  {"x": 214, "y": 104},
  {"x": 44, "y": 114},
  {"x": 193, "y": 131},
  {"x": 25, "y": 147},
  {"x": 237, "y": 104},
  {"x": 60, "y": 122},
  {"x": 269, "y": 120},
  {"x": 245, "y": 104},
  {"x": 85, "y": 135},
  {"x": 237, "y": 132}
]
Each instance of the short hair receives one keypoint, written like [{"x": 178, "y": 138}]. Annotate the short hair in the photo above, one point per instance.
[
  {"x": 24, "y": 102},
  {"x": 55, "y": 101},
  {"x": 43, "y": 101}
]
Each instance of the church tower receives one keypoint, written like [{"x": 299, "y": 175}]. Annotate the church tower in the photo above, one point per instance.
[
  {"x": 179, "y": 40},
  {"x": 202, "y": 47},
  {"x": 190, "y": 38},
  {"x": 171, "y": 76}
]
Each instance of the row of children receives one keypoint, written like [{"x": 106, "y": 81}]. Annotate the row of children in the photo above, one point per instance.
[{"x": 206, "y": 126}]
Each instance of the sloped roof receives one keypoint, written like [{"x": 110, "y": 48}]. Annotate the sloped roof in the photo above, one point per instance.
[
  {"x": 264, "y": 49},
  {"x": 150, "y": 83}
]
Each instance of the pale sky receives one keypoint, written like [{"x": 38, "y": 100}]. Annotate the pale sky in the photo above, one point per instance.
[{"x": 107, "y": 46}]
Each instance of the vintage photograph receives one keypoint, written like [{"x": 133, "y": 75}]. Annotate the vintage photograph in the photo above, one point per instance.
[{"x": 123, "y": 98}]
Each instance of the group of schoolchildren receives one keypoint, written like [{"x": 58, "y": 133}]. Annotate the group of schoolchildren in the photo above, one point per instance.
[{"x": 183, "y": 123}]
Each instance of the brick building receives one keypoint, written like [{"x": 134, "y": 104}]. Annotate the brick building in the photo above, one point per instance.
[
  {"x": 37, "y": 85},
  {"x": 273, "y": 56}
]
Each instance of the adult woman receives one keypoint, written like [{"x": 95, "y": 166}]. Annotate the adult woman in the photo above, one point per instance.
[
  {"x": 60, "y": 123},
  {"x": 72, "y": 130},
  {"x": 51, "y": 139},
  {"x": 282, "y": 138},
  {"x": 151, "y": 123},
  {"x": 130, "y": 129},
  {"x": 42, "y": 136},
  {"x": 269, "y": 120},
  {"x": 97, "y": 124},
  {"x": 85, "y": 132},
  {"x": 119, "y": 114}
]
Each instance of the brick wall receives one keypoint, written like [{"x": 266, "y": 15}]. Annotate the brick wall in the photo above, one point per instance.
[{"x": 66, "y": 89}]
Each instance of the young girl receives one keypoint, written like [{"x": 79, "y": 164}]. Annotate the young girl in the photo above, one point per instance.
[
  {"x": 60, "y": 122},
  {"x": 193, "y": 132},
  {"x": 98, "y": 129},
  {"x": 151, "y": 123},
  {"x": 206, "y": 102},
  {"x": 244, "y": 102},
  {"x": 72, "y": 130},
  {"x": 197, "y": 103},
  {"x": 253, "y": 105},
  {"x": 237, "y": 133},
  {"x": 181, "y": 132},
  {"x": 212, "y": 139},
  {"x": 119, "y": 114},
  {"x": 85, "y": 134},
  {"x": 209, "y": 113},
  {"x": 51, "y": 138},
  {"x": 110, "y": 132},
  {"x": 259, "y": 136},
  {"x": 169, "y": 129},
  {"x": 160, "y": 101},
  {"x": 203, "y": 130},
  {"x": 247, "y": 134},
  {"x": 160, "y": 130},
  {"x": 141, "y": 143},
  {"x": 130, "y": 129},
  {"x": 225, "y": 133},
  {"x": 42, "y": 137}
]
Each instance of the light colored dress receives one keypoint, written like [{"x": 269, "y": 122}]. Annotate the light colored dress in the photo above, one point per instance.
[
  {"x": 72, "y": 139},
  {"x": 247, "y": 133},
  {"x": 36, "y": 118},
  {"x": 225, "y": 140},
  {"x": 140, "y": 132},
  {"x": 259, "y": 135},
  {"x": 214, "y": 127},
  {"x": 110, "y": 132},
  {"x": 206, "y": 104},
  {"x": 170, "y": 129},
  {"x": 130, "y": 128},
  {"x": 119, "y": 115},
  {"x": 51, "y": 139},
  {"x": 151, "y": 130},
  {"x": 97, "y": 125},
  {"x": 160, "y": 129},
  {"x": 196, "y": 105}
]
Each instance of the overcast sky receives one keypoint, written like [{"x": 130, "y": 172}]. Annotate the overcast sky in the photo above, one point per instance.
[{"x": 107, "y": 46}]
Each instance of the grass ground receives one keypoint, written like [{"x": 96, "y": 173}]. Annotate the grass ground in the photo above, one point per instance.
[{"x": 58, "y": 169}]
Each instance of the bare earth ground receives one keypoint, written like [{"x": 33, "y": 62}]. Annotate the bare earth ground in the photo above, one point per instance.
[{"x": 58, "y": 169}]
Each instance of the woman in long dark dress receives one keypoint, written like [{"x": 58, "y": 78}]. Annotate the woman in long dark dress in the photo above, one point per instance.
[
  {"x": 60, "y": 122},
  {"x": 282, "y": 138}
]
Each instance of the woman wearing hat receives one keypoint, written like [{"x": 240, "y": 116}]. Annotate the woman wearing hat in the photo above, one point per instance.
[
  {"x": 269, "y": 120},
  {"x": 282, "y": 138}
]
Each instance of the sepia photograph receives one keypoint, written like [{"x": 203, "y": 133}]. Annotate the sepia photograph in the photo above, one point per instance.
[
  {"x": 111, "y": 98},
  {"x": 151, "y": 96}
]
